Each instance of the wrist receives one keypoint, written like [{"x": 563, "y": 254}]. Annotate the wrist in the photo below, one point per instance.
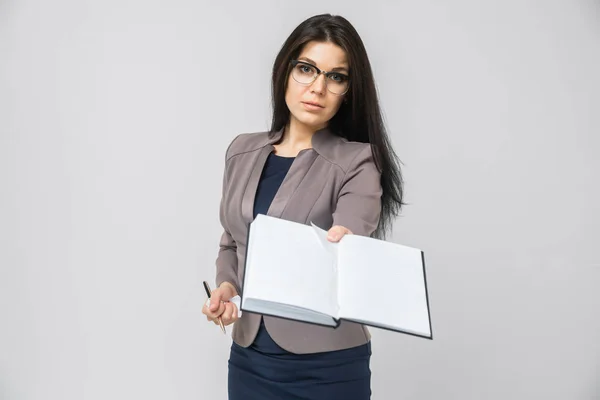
[{"x": 230, "y": 289}]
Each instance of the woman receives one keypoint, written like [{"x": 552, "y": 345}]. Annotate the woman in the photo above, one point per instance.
[{"x": 326, "y": 159}]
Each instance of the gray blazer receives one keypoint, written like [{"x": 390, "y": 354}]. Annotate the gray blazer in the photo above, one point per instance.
[{"x": 333, "y": 183}]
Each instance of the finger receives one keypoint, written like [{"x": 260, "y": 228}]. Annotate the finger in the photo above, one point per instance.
[
  {"x": 213, "y": 314},
  {"x": 230, "y": 315},
  {"x": 216, "y": 298},
  {"x": 213, "y": 320},
  {"x": 336, "y": 233},
  {"x": 234, "y": 313},
  {"x": 227, "y": 314},
  {"x": 219, "y": 312},
  {"x": 206, "y": 311}
]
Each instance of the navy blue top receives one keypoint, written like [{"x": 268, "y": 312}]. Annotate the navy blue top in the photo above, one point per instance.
[{"x": 275, "y": 170}]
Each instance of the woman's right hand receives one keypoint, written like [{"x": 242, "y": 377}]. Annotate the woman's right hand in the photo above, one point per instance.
[{"x": 220, "y": 305}]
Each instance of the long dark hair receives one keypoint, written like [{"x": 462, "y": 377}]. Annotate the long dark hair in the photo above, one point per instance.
[{"x": 359, "y": 118}]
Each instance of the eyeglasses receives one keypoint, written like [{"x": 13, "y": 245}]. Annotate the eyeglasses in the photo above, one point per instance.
[{"x": 305, "y": 74}]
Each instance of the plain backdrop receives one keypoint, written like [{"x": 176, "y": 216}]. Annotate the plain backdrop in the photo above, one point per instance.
[{"x": 114, "y": 121}]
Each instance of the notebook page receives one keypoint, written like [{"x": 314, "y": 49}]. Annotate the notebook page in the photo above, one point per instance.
[
  {"x": 287, "y": 264},
  {"x": 330, "y": 247},
  {"x": 382, "y": 283}
]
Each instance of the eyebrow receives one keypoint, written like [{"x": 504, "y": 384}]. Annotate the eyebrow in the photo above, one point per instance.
[{"x": 315, "y": 64}]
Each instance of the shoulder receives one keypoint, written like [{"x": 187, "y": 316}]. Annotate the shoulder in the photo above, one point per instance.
[
  {"x": 346, "y": 155},
  {"x": 246, "y": 142}
]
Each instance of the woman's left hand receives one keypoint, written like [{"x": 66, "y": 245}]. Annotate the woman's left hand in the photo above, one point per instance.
[{"x": 337, "y": 232}]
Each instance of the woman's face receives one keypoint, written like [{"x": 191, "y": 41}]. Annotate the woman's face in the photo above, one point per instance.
[{"x": 327, "y": 57}]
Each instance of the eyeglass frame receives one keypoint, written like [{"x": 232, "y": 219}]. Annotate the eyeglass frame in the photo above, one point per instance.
[{"x": 319, "y": 72}]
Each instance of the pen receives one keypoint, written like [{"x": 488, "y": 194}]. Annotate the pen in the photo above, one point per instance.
[{"x": 208, "y": 292}]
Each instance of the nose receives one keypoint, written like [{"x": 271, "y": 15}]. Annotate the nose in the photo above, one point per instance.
[{"x": 319, "y": 84}]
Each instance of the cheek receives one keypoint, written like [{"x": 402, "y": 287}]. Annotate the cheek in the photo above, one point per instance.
[
  {"x": 294, "y": 92},
  {"x": 335, "y": 104}
]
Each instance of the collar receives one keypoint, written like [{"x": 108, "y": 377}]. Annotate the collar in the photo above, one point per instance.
[{"x": 321, "y": 141}]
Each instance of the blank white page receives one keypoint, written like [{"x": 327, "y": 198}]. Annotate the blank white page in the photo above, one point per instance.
[
  {"x": 383, "y": 283},
  {"x": 287, "y": 264}
]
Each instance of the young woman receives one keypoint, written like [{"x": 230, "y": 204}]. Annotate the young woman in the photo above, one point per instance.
[{"x": 326, "y": 159}]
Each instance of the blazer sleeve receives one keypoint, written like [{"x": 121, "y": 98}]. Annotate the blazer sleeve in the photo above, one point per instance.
[
  {"x": 227, "y": 261},
  {"x": 358, "y": 205}
]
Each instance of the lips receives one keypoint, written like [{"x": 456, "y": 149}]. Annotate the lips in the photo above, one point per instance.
[{"x": 313, "y": 104}]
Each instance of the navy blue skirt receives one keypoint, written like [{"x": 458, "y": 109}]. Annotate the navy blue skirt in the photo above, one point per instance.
[{"x": 265, "y": 371}]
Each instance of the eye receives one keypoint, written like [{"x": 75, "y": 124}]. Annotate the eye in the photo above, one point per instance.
[
  {"x": 305, "y": 69},
  {"x": 337, "y": 77}
]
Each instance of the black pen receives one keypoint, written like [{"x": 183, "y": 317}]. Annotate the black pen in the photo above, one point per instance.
[{"x": 208, "y": 293}]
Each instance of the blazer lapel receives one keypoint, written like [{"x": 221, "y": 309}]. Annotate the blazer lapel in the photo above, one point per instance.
[
  {"x": 291, "y": 182},
  {"x": 298, "y": 171}
]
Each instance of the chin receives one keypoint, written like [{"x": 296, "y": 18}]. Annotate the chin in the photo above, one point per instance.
[{"x": 312, "y": 122}]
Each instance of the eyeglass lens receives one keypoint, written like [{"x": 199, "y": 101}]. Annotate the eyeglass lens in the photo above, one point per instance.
[{"x": 306, "y": 74}]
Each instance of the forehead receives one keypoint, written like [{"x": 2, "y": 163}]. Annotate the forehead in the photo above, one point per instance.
[{"x": 326, "y": 55}]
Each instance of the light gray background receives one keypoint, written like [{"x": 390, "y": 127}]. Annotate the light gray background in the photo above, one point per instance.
[{"x": 114, "y": 120}]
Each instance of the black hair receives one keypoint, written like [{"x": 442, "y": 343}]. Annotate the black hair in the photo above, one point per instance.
[{"x": 359, "y": 117}]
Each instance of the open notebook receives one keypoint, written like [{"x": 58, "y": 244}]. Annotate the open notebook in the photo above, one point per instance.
[{"x": 292, "y": 271}]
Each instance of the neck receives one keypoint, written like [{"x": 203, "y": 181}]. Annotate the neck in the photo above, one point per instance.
[{"x": 297, "y": 135}]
